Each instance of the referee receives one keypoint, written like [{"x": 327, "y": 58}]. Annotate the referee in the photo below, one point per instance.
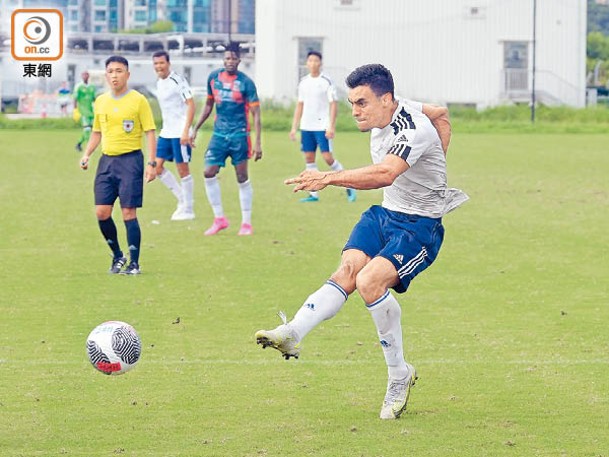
[{"x": 121, "y": 117}]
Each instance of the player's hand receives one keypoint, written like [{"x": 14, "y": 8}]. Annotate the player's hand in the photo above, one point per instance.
[
  {"x": 185, "y": 140},
  {"x": 84, "y": 162},
  {"x": 150, "y": 173},
  {"x": 330, "y": 133},
  {"x": 257, "y": 153},
  {"x": 293, "y": 135},
  {"x": 310, "y": 180},
  {"x": 193, "y": 137}
]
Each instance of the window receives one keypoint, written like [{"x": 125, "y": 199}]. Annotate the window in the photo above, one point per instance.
[
  {"x": 141, "y": 16},
  {"x": 100, "y": 15},
  {"x": 347, "y": 4},
  {"x": 515, "y": 54}
]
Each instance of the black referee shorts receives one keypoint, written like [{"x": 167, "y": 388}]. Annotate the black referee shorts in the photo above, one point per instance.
[{"x": 121, "y": 177}]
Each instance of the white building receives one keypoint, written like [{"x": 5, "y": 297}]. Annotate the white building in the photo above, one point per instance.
[{"x": 473, "y": 52}]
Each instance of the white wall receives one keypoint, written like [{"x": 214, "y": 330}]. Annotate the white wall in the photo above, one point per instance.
[{"x": 435, "y": 49}]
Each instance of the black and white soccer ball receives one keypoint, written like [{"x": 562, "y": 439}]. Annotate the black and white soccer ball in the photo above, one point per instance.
[{"x": 114, "y": 347}]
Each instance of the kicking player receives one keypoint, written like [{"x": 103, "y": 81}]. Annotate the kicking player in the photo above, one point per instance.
[
  {"x": 178, "y": 111},
  {"x": 393, "y": 242}
]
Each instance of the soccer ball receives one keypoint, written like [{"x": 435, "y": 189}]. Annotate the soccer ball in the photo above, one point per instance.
[{"x": 114, "y": 347}]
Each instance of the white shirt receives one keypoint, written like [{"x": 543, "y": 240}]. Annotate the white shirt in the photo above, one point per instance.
[
  {"x": 172, "y": 93},
  {"x": 316, "y": 94},
  {"x": 421, "y": 189}
]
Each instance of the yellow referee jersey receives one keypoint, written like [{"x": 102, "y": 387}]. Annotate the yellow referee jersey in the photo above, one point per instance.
[{"x": 122, "y": 122}]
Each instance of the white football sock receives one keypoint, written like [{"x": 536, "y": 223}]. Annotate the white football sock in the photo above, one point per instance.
[
  {"x": 172, "y": 184},
  {"x": 188, "y": 185},
  {"x": 386, "y": 314},
  {"x": 214, "y": 196},
  {"x": 321, "y": 305},
  {"x": 312, "y": 166},
  {"x": 246, "y": 195},
  {"x": 336, "y": 166}
]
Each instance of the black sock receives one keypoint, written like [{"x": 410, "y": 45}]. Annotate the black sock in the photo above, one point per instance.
[
  {"x": 108, "y": 230},
  {"x": 134, "y": 238}
]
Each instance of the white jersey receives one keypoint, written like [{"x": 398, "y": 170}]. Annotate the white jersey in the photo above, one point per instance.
[
  {"x": 421, "y": 189},
  {"x": 316, "y": 94},
  {"x": 172, "y": 93}
]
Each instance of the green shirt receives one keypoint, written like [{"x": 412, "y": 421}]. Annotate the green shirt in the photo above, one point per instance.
[{"x": 84, "y": 94}]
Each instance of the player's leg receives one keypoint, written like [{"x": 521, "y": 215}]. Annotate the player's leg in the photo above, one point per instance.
[
  {"x": 165, "y": 152},
  {"x": 86, "y": 122},
  {"x": 413, "y": 244},
  {"x": 240, "y": 157},
  {"x": 134, "y": 240},
  {"x": 308, "y": 146},
  {"x": 321, "y": 305},
  {"x": 373, "y": 284},
  {"x": 215, "y": 158},
  {"x": 106, "y": 193},
  {"x": 131, "y": 193},
  {"x": 363, "y": 244},
  {"x": 325, "y": 146},
  {"x": 187, "y": 182}
]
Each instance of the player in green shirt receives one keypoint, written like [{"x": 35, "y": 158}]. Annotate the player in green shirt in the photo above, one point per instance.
[{"x": 84, "y": 96}]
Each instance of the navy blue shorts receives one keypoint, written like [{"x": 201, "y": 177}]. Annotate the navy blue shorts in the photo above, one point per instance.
[
  {"x": 238, "y": 148},
  {"x": 411, "y": 243},
  {"x": 310, "y": 140},
  {"x": 120, "y": 177},
  {"x": 170, "y": 149}
]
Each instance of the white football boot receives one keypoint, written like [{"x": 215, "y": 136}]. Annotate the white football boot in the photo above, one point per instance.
[
  {"x": 398, "y": 391},
  {"x": 282, "y": 338}
]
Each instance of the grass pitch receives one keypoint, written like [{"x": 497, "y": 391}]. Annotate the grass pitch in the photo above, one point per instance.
[{"x": 508, "y": 329}]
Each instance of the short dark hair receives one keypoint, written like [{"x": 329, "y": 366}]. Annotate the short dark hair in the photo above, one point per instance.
[
  {"x": 314, "y": 53},
  {"x": 233, "y": 47},
  {"x": 375, "y": 76},
  {"x": 161, "y": 53},
  {"x": 118, "y": 59}
]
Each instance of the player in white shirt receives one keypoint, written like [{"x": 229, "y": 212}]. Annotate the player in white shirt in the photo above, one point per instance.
[
  {"x": 393, "y": 242},
  {"x": 178, "y": 111},
  {"x": 315, "y": 113}
]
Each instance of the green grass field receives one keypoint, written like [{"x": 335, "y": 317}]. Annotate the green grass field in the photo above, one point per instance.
[{"x": 508, "y": 329}]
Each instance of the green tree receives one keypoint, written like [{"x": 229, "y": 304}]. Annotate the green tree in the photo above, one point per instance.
[{"x": 160, "y": 27}]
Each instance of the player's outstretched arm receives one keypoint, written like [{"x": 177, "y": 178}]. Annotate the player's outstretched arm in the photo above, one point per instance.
[{"x": 374, "y": 176}]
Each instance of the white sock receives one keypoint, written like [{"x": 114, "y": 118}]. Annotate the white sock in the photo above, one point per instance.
[
  {"x": 246, "y": 195},
  {"x": 386, "y": 314},
  {"x": 336, "y": 166},
  {"x": 321, "y": 305},
  {"x": 312, "y": 166},
  {"x": 188, "y": 185},
  {"x": 172, "y": 184},
  {"x": 214, "y": 196}
]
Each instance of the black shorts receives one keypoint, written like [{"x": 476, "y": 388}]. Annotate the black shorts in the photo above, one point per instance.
[{"x": 120, "y": 177}]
